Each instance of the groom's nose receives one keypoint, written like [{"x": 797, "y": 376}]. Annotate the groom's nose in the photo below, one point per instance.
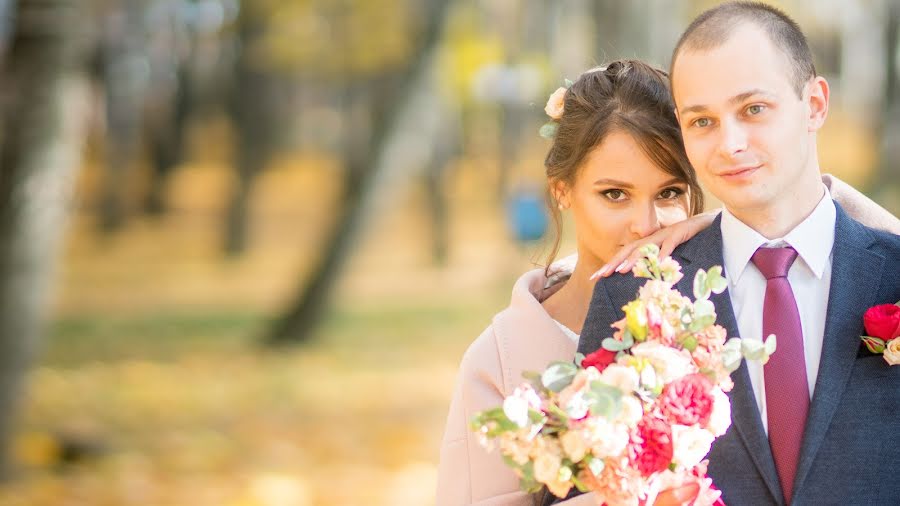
[{"x": 732, "y": 138}]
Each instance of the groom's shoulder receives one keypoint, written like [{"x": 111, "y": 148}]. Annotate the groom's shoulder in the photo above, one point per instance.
[{"x": 878, "y": 240}]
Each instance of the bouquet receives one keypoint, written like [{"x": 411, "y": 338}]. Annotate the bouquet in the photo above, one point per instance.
[{"x": 639, "y": 415}]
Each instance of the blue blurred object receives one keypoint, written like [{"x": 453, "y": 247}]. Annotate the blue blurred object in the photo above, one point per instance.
[{"x": 527, "y": 215}]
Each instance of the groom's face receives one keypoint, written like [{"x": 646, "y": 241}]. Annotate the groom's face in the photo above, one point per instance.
[{"x": 745, "y": 129}]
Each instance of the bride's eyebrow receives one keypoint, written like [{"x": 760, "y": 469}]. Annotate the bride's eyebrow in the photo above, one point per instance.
[
  {"x": 672, "y": 182},
  {"x": 612, "y": 182}
]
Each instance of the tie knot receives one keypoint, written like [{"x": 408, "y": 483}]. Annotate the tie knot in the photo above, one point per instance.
[{"x": 774, "y": 262}]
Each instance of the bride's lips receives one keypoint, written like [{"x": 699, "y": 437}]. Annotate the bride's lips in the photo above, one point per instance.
[{"x": 739, "y": 174}]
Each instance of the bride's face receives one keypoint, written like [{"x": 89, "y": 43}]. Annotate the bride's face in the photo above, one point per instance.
[{"x": 619, "y": 195}]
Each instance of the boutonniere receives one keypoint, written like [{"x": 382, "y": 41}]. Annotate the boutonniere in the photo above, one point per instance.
[{"x": 882, "y": 324}]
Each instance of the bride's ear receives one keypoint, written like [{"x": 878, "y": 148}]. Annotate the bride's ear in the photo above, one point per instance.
[{"x": 561, "y": 194}]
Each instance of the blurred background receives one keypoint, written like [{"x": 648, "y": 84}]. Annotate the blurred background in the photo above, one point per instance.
[{"x": 244, "y": 243}]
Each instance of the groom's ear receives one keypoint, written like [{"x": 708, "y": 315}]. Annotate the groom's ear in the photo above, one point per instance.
[{"x": 817, "y": 95}]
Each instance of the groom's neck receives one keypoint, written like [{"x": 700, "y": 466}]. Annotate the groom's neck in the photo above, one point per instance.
[{"x": 779, "y": 216}]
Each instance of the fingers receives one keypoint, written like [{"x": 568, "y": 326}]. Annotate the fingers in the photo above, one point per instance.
[{"x": 616, "y": 262}]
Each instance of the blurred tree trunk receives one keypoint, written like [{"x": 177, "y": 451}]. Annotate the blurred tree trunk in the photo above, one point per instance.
[
  {"x": 43, "y": 130},
  {"x": 392, "y": 96},
  {"x": 125, "y": 72},
  {"x": 253, "y": 106}
]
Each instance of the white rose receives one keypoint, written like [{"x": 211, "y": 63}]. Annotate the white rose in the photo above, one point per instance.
[
  {"x": 690, "y": 445},
  {"x": 720, "y": 417},
  {"x": 516, "y": 406},
  {"x": 670, "y": 364},
  {"x": 631, "y": 412},
  {"x": 608, "y": 439},
  {"x": 620, "y": 376},
  {"x": 892, "y": 351}
]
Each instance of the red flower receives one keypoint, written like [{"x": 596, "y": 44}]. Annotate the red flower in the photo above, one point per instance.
[
  {"x": 688, "y": 400},
  {"x": 599, "y": 359},
  {"x": 651, "y": 447},
  {"x": 883, "y": 321}
]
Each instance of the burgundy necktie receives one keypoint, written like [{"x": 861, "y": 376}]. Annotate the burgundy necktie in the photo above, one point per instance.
[{"x": 787, "y": 391}]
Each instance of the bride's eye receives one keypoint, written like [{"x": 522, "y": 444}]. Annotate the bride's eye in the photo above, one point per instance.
[
  {"x": 671, "y": 193},
  {"x": 614, "y": 195}
]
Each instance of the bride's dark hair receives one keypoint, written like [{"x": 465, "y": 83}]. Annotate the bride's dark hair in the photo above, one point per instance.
[{"x": 626, "y": 96}]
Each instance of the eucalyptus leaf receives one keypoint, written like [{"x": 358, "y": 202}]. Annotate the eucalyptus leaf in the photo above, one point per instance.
[
  {"x": 569, "y": 83},
  {"x": 558, "y": 375},
  {"x": 715, "y": 281},
  {"x": 579, "y": 358},
  {"x": 701, "y": 290},
  {"x": 548, "y": 130},
  {"x": 605, "y": 400},
  {"x": 611, "y": 344}
]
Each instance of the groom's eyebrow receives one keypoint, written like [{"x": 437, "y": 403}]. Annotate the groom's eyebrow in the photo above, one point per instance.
[{"x": 740, "y": 97}]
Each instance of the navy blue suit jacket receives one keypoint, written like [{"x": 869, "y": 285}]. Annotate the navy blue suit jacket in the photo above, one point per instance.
[{"x": 851, "y": 447}]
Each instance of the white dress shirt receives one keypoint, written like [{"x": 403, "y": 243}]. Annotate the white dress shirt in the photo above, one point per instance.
[{"x": 809, "y": 276}]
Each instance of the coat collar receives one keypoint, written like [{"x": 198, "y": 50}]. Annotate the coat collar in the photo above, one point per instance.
[{"x": 528, "y": 339}]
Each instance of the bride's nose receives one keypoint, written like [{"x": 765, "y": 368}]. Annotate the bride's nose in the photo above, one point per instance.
[{"x": 644, "y": 221}]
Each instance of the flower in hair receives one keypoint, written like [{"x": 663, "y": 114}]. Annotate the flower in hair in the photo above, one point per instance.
[
  {"x": 554, "y": 108},
  {"x": 555, "y": 104}
]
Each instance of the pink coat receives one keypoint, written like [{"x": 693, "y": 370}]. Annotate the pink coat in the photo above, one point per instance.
[{"x": 523, "y": 337}]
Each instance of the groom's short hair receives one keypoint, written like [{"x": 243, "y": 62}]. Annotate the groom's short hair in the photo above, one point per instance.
[{"x": 713, "y": 27}]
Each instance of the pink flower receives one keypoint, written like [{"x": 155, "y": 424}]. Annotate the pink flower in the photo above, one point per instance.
[
  {"x": 651, "y": 446},
  {"x": 688, "y": 400},
  {"x": 883, "y": 321}
]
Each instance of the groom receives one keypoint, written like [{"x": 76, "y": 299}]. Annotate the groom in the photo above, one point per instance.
[{"x": 820, "y": 422}]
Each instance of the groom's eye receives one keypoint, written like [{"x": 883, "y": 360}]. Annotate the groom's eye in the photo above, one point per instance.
[
  {"x": 754, "y": 109},
  {"x": 702, "y": 122}
]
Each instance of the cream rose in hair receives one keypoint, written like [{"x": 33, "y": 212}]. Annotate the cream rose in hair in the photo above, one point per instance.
[{"x": 554, "y": 107}]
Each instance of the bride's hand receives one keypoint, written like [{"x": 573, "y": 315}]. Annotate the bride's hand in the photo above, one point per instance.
[{"x": 667, "y": 238}]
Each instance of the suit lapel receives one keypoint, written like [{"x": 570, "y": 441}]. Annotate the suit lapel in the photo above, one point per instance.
[
  {"x": 704, "y": 252},
  {"x": 855, "y": 276}
]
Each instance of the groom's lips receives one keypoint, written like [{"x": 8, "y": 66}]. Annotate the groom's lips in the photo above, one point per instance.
[{"x": 739, "y": 174}]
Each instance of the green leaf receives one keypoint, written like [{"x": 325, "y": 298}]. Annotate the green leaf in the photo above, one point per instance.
[
  {"x": 569, "y": 83},
  {"x": 689, "y": 343},
  {"x": 611, "y": 344},
  {"x": 701, "y": 290},
  {"x": 548, "y": 130},
  {"x": 715, "y": 281},
  {"x": 579, "y": 357},
  {"x": 558, "y": 375},
  {"x": 605, "y": 400},
  {"x": 731, "y": 354}
]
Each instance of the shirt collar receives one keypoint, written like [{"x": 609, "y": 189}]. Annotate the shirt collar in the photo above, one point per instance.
[{"x": 813, "y": 240}]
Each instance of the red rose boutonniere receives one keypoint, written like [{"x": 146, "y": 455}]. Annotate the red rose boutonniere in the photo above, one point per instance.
[{"x": 883, "y": 328}]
